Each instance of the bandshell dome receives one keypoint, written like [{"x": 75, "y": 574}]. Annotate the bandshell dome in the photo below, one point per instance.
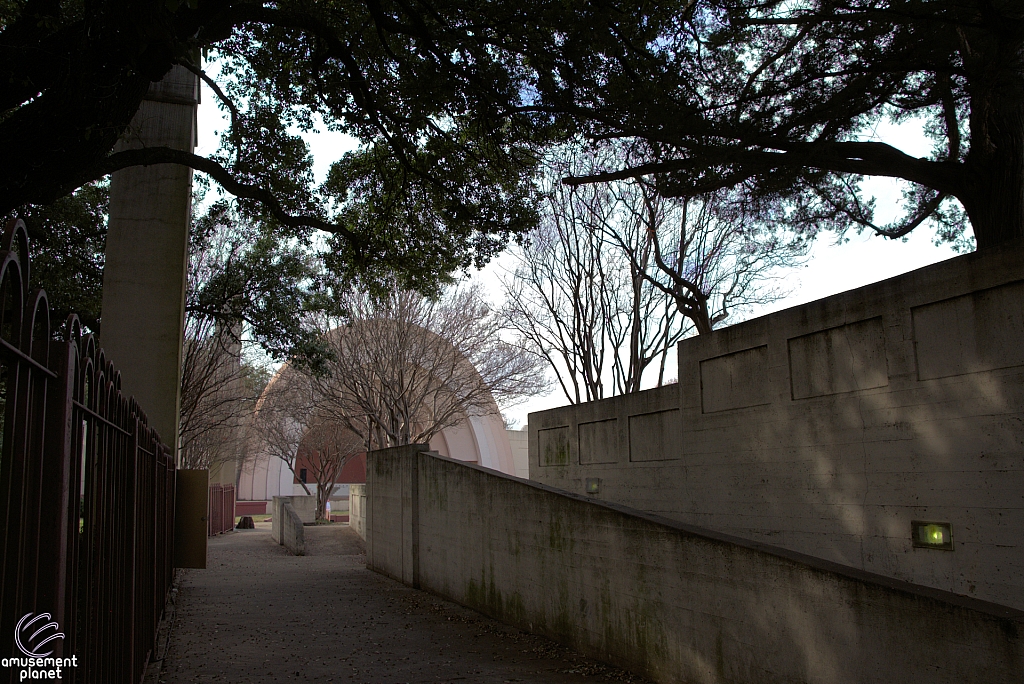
[{"x": 478, "y": 437}]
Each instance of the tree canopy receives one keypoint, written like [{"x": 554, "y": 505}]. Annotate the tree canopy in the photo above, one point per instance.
[
  {"x": 440, "y": 95},
  {"x": 451, "y": 101},
  {"x": 780, "y": 100},
  {"x": 243, "y": 277}
]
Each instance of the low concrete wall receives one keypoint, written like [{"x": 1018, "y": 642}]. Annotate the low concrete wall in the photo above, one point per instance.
[
  {"x": 293, "y": 535},
  {"x": 357, "y": 509},
  {"x": 675, "y": 602},
  {"x": 829, "y": 427},
  {"x": 304, "y": 507}
]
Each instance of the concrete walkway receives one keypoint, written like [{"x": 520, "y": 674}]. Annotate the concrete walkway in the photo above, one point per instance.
[{"x": 258, "y": 614}]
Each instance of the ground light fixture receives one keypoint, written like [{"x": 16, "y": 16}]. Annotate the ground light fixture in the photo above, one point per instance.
[{"x": 931, "y": 535}]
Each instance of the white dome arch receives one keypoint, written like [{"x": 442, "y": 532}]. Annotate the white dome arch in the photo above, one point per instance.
[{"x": 479, "y": 437}]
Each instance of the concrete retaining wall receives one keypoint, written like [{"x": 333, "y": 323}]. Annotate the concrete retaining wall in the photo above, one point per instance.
[
  {"x": 677, "y": 603},
  {"x": 293, "y": 535},
  {"x": 829, "y": 427},
  {"x": 304, "y": 507},
  {"x": 357, "y": 509}
]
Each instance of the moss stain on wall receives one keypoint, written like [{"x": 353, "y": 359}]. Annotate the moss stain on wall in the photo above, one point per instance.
[
  {"x": 556, "y": 448},
  {"x": 436, "y": 489},
  {"x": 560, "y": 536},
  {"x": 486, "y": 597}
]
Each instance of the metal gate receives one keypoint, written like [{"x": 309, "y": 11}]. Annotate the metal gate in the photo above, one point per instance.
[{"x": 86, "y": 495}]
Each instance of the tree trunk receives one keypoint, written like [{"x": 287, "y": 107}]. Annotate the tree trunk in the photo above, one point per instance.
[
  {"x": 994, "y": 169},
  {"x": 323, "y": 494},
  {"x": 697, "y": 311},
  {"x": 995, "y": 187}
]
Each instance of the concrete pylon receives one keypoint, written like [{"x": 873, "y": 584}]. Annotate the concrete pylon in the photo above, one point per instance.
[{"x": 147, "y": 255}]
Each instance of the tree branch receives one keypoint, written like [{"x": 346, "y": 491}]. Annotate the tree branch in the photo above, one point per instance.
[
  {"x": 149, "y": 156},
  {"x": 898, "y": 230},
  {"x": 215, "y": 87},
  {"x": 864, "y": 158},
  {"x": 949, "y": 114}
]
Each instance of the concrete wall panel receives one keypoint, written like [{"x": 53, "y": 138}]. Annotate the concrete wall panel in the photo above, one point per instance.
[
  {"x": 653, "y": 436},
  {"x": 304, "y": 507},
  {"x": 554, "y": 446},
  {"x": 293, "y": 535},
  {"x": 734, "y": 380},
  {"x": 601, "y": 442},
  {"x": 828, "y": 427},
  {"x": 975, "y": 332},
  {"x": 843, "y": 359},
  {"x": 357, "y": 509}
]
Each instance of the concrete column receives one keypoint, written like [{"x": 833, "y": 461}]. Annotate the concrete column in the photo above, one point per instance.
[{"x": 147, "y": 255}]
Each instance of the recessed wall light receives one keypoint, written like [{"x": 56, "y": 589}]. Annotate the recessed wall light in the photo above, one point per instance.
[
  {"x": 593, "y": 485},
  {"x": 931, "y": 535}
]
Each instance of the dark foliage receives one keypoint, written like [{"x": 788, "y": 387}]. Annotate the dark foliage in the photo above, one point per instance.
[
  {"x": 780, "y": 99},
  {"x": 66, "y": 239},
  {"x": 440, "y": 95},
  {"x": 247, "y": 279}
]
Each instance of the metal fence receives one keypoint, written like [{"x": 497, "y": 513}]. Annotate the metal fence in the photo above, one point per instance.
[
  {"x": 221, "y": 508},
  {"x": 86, "y": 495}
]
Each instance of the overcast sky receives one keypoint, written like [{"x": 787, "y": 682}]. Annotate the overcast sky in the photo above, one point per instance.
[{"x": 830, "y": 269}]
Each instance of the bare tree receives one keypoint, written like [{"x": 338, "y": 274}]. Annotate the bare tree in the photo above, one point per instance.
[
  {"x": 213, "y": 396},
  {"x": 708, "y": 253},
  {"x": 326, "y": 448},
  {"x": 281, "y": 418},
  {"x": 218, "y": 389},
  {"x": 407, "y": 367},
  {"x": 616, "y": 275},
  {"x": 576, "y": 299}
]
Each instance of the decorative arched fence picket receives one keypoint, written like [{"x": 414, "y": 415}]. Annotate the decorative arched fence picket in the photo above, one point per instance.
[{"x": 86, "y": 494}]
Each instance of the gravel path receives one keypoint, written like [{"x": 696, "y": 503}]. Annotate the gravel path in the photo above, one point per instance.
[{"x": 258, "y": 614}]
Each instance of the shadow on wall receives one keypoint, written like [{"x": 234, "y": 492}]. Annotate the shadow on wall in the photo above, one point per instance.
[
  {"x": 830, "y": 427},
  {"x": 672, "y": 601}
]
